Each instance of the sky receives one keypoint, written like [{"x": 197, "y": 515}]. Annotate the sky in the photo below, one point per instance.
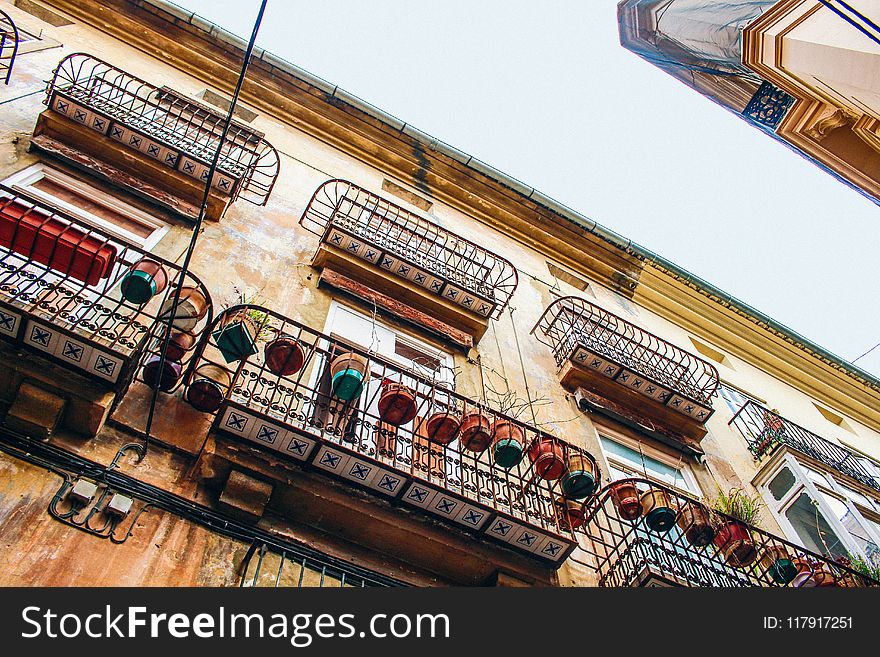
[{"x": 544, "y": 92}]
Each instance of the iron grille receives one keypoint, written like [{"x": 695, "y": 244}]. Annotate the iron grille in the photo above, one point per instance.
[
  {"x": 61, "y": 294},
  {"x": 642, "y": 531},
  {"x": 768, "y": 106},
  {"x": 571, "y": 323},
  {"x": 164, "y": 125},
  {"x": 449, "y": 262},
  {"x": 301, "y": 415},
  {"x": 9, "y": 39},
  {"x": 766, "y": 431}
]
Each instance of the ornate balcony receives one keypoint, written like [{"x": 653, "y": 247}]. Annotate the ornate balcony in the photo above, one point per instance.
[
  {"x": 407, "y": 257},
  {"x": 8, "y": 46},
  {"x": 88, "y": 301},
  {"x": 323, "y": 405},
  {"x": 644, "y": 534},
  {"x": 766, "y": 432},
  {"x": 153, "y": 139},
  {"x": 616, "y": 359}
]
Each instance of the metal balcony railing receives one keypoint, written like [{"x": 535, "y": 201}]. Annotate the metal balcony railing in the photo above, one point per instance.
[
  {"x": 265, "y": 566},
  {"x": 61, "y": 293},
  {"x": 279, "y": 390},
  {"x": 641, "y": 532},
  {"x": 593, "y": 338},
  {"x": 409, "y": 246},
  {"x": 163, "y": 125},
  {"x": 8, "y": 46},
  {"x": 766, "y": 431}
]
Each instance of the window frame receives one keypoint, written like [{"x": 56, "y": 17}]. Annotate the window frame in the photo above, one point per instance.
[
  {"x": 816, "y": 492},
  {"x": 23, "y": 181}
]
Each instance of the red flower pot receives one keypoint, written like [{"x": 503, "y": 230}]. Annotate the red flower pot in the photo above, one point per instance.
[
  {"x": 397, "y": 404},
  {"x": 284, "y": 356},
  {"x": 55, "y": 243},
  {"x": 734, "y": 542},
  {"x": 208, "y": 390},
  {"x": 575, "y": 515},
  {"x": 167, "y": 379},
  {"x": 475, "y": 431},
  {"x": 179, "y": 345},
  {"x": 548, "y": 456},
  {"x": 442, "y": 427},
  {"x": 625, "y": 497}
]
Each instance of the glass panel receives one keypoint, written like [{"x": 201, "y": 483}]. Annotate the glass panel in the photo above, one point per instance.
[
  {"x": 781, "y": 484},
  {"x": 812, "y": 528},
  {"x": 815, "y": 476},
  {"x": 642, "y": 464},
  {"x": 857, "y": 497},
  {"x": 852, "y": 522}
]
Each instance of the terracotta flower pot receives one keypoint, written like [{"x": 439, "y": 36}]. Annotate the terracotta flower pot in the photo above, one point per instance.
[
  {"x": 397, "y": 404},
  {"x": 657, "y": 510},
  {"x": 179, "y": 345},
  {"x": 575, "y": 515},
  {"x": 349, "y": 373},
  {"x": 442, "y": 427},
  {"x": 191, "y": 308},
  {"x": 811, "y": 574},
  {"x": 625, "y": 497},
  {"x": 284, "y": 356},
  {"x": 171, "y": 372},
  {"x": 579, "y": 480},
  {"x": 143, "y": 281},
  {"x": 475, "y": 431},
  {"x": 237, "y": 340},
  {"x": 548, "y": 456},
  {"x": 209, "y": 387},
  {"x": 695, "y": 522},
  {"x": 776, "y": 562},
  {"x": 507, "y": 443},
  {"x": 734, "y": 542}
]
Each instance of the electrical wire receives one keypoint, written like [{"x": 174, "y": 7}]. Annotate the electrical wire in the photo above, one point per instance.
[
  {"x": 172, "y": 313},
  {"x": 865, "y": 354}
]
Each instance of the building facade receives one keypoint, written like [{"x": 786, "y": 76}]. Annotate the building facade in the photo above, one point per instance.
[
  {"x": 803, "y": 71},
  {"x": 387, "y": 364}
]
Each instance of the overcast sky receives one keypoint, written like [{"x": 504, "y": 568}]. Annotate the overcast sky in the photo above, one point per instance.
[{"x": 544, "y": 92}]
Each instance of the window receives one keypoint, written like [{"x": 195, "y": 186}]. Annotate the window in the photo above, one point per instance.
[
  {"x": 822, "y": 514},
  {"x": 735, "y": 398},
  {"x": 638, "y": 460},
  {"x": 89, "y": 204}
]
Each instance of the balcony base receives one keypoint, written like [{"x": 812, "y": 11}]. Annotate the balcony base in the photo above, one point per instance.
[
  {"x": 402, "y": 291},
  {"x": 98, "y": 154},
  {"x": 87, "y": 404},
  {"x": 338, "y": 511},
  {"x": 634, "y": 405}
]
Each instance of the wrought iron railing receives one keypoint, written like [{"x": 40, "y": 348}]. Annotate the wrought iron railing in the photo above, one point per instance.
[
  {"x": 8, "y": 46},
  {"x": 411, "y": 247},
  {"x": 641, "y": 532},
  {"x": 265, "y": 566},
  {"x": 766, "y": 431},
  {"x": 163, "y": 125},
  {"x": 89, "y": 300},
  {"x": 595, "y": 339},
  {"x": 324, "y": 404}
]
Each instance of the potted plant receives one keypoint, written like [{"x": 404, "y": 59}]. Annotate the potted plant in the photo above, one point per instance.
[
  {"x": 165, "y": 379},
  {"x": 571, "y": 512},
  {"x": 733, "y": 538},
  {"x": 778, "y": 564},
  {"x": 812, "y": 573},
  {"x": 348, "y": 372},
  {"x": 208, "y": 389},
  {"x": 625, "y": 497},
  {"x": 397, "y": 403},
  {"x": 695, "y": 521},
  {"x": 442, "y": 427},
  {"x": 548, "y": 455},
  {"x": 855, "y": 562},
  {"x": 508, "y": 442},
  {"x": 657, "y": 510},
  {"x": 579, "y": 480},
  {"x": 475, "y": 431},
  {"x": 284, "y": 356},
  {"x": 143, "y": 281},
  {"x": 236, "y": 339},
  {"x": 192, "y": 306}
]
